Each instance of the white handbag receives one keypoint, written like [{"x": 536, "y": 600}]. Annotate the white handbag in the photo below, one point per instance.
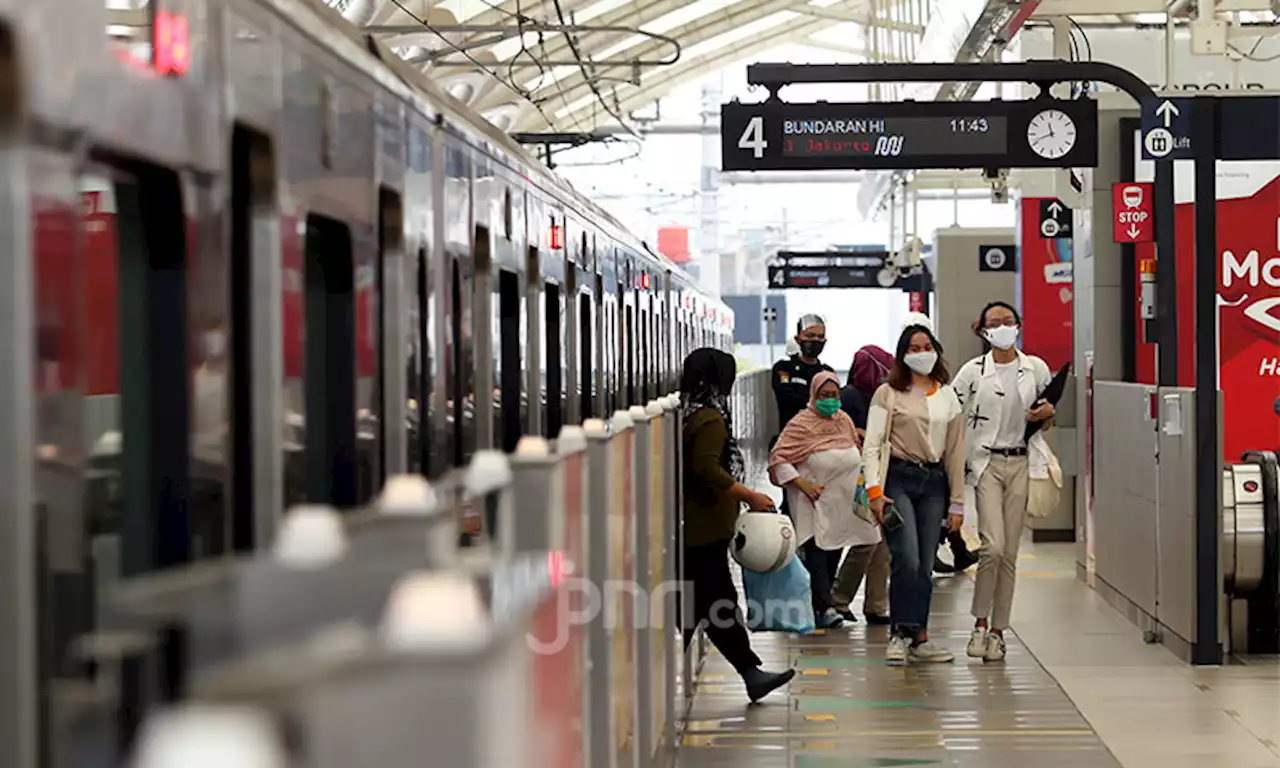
[{"x": 1044, "y": 493}]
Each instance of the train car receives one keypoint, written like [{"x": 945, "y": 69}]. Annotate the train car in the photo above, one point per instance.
[{"x": 256, "y": 261}]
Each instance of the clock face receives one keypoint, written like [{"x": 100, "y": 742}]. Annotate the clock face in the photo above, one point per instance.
[{"x": 1051, "y": 134}]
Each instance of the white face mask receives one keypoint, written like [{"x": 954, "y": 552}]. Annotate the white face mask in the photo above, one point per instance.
[
  {"x": 1003, "y": 337},
  {"x": 215, "y": 342},
  {"x": 921, "y": 362}
]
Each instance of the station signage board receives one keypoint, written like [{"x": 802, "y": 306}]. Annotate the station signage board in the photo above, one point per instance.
[
  {"x": 1132, "y": 212},
  {"x": 827, "y": 269},
  {"x": 1040, "y": 133}
]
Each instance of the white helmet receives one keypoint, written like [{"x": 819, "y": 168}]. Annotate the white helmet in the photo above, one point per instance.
[
  {"x": 918, "y": 318},
  {"x": 763, "y": 542}
]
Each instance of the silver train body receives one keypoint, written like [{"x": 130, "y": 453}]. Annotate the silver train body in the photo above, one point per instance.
[{"x": 395, "y": 282}]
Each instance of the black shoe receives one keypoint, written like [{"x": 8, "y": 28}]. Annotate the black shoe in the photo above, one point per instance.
[
  {"x": 964, "y": 561},
  {"x": 877, "y": 620},
  {"x": 761, "y": 683},
  {"x": 847, "y": 615},
  {"x": 941, "y": 567}
]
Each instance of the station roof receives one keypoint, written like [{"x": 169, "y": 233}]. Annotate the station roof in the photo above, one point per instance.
[{"x": 576, "y": 65}]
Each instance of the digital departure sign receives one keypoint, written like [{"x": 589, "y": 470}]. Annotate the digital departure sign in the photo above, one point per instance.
[
  {"x": 775, "y": 135},
  {"x": 900, "y": 137}
]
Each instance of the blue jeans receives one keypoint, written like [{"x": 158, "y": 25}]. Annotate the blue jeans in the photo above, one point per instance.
[{"x": 921, "y": 494}]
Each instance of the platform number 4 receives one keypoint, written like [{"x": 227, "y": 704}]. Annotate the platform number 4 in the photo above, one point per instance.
[{"x": 753, "y": 137}]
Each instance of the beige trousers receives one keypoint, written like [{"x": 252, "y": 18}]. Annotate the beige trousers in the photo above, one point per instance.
[
  {"x": 871, "y": 560},
  {"x": 1002, "y": 514}
]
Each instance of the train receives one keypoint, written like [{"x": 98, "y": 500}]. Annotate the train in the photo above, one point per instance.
[
  {"x": 257, "y": 260},
  {"x": 283, "y": 264}
]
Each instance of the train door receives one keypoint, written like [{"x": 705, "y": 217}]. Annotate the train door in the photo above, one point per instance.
[
  {"x": 459, "y": 236},
  {"x": 535, "y": 314},
  {"x": 254, "y": 346},
  {"x": 484, "y": 287},
  {"x": 601, "y": 355},
  {"x": 586, "y": 335},
  {"x": 627, "y": 295},
  {"x": 644, "y": 338},
  {"x": 510, "y": 327},
  {"x": 423, "y": 455},
  {"x": 575, "y": 247}
]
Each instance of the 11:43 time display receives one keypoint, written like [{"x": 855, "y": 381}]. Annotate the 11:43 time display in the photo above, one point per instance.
[{"x": 969, "y": 125}]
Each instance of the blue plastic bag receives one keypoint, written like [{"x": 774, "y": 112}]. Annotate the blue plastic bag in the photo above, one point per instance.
[{"x": 779, "y": 601}]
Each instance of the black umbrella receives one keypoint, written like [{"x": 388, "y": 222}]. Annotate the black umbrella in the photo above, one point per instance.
[{"x": 1052, "y": 394}]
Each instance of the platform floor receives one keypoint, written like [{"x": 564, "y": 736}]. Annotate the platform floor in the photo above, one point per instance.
[{"x": 1078, "y": 689}]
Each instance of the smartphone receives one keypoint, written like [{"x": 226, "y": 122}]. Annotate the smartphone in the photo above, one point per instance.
[{"x": 892, "y": 518}]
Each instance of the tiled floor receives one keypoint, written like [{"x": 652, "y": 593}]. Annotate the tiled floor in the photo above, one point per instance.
[{"x": 1079, "y": 689}]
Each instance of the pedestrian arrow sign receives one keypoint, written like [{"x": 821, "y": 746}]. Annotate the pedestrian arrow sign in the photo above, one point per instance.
[
  {"x": 1055, "y": 219},
  {"x": 1166, "y": 129}
]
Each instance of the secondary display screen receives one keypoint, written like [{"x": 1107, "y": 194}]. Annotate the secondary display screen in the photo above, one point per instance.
[{"x": 894, "y": 137}]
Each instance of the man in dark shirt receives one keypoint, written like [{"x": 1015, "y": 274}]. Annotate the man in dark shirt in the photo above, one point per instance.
[{"x": 791, "y": 376}]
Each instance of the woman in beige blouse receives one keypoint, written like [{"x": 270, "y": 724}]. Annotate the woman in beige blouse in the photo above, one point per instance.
[{"x": 914, "y": 460}]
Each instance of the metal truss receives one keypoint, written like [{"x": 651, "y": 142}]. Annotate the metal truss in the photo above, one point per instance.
[{"x": 531, "y": 65}]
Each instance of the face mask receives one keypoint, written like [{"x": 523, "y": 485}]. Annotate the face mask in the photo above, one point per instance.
[
  {"x": 921, "y": 362},
  {"x": 1003, "y": 337},
  {"x": 214, "y": 343},
  {"x": 827, "y": 406},
  {"x": 812, "y": 349}
]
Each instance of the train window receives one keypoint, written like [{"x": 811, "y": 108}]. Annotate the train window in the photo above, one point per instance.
[
  {"x": 506, "y": 213},
  {"x": 330, "y": 452},
  {"x": 252, "y": 249},
  {"x": 138, "y": 382},
  {"x": 553, "y": 345},
  {"x": 417, "y": 374},
  {"x": 510, "y": 344},
  {"x": 586, "y": 371},
  {"x": 371, "y": 348},
  {"x": 629, "y": 343},
  {"x": 644, "y": 359},
  {"x": 457, "y": 367}
]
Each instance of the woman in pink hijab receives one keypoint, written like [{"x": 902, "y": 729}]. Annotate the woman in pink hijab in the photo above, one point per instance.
[{"x": 816, "y": 461}]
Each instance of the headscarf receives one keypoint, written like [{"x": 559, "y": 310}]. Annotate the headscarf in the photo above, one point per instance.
[
  {"x": 870, "y": 366},
  {"x": 810, "y": 432},
  {"x": 705, "y": 382}
]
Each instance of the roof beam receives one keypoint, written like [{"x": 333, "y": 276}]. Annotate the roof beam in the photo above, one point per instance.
[
  {"x": 575, "y": 87},
  {"x": 660, "y": 83},
  {"x": 633, "y": 14},
  {"x": 858, "y": 18}
]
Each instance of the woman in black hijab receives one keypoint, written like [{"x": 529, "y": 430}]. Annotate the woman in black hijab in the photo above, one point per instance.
[{"x": 713, "y": 495}]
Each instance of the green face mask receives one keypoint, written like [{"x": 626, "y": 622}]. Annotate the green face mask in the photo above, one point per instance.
[{"x": 827, "y": 406}]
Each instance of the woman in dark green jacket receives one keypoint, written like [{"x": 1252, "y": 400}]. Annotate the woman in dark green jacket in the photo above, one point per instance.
[{"x": 713, "y": 495}]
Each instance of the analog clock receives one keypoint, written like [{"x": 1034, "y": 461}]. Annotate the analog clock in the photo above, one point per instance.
[{"x": 1051, "y": 134}]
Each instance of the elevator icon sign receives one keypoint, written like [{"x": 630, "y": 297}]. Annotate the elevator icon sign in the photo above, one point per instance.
[{"x": 1166, "y": 129}]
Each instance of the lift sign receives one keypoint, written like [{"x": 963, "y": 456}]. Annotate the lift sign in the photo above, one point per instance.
[{"x": 1131, "y": 210}]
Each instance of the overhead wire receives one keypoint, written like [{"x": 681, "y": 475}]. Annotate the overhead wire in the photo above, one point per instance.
[
  {"x": 1252, "y": 54},
  {"x": 513, "y": 86},
  {"x": 586, "y": 76}
]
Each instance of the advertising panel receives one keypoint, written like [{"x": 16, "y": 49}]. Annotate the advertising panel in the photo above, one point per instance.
[
  {"x": 1046, "y": 292},
  {"x": 1248, "y": 270}
]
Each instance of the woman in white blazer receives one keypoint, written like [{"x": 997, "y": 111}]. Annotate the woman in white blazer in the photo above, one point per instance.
[{"x": 1000, "y": 392}]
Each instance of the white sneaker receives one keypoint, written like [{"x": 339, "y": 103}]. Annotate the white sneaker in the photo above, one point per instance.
[
  {"x": 995, "y": 648},
  {"x": 931, "y": 653},
  {"x": 977, "y": 647},
  {"x": 897, "y": 651}
]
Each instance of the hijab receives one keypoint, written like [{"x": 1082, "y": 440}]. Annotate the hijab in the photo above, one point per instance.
[
  {"x": 870, "y": 367},
  {"x": 810, "y": 432},
  {"x": 705, "y": 382}
]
